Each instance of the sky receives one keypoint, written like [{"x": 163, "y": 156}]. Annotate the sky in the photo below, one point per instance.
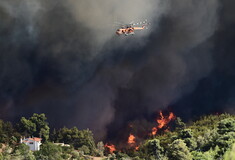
[{"x": 62, "y": 58}]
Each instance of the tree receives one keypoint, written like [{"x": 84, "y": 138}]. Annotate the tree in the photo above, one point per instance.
[
  {"x": 100, "y": 148},
  {"x": 186, "y": 133},
  {"x": 77, "y": 138},
  {"x": 36, "y": 126},
  {"x": 226, "y": 131},
  {"x": 179, "y": 124},
  {"x": 226, "y": 125},
  {"x": 22, "y": 152},
  {"x": 179, "y": 151},
  {"x": 76, "y": 155},
  {"x": 8, "y": 135},
  {"x": 197, "y": 155},
  {"x": 28, "y": 126},
  {"x": 85, "y": 137},
  {"x": 187, "y": 136},
  {"x": 152, "y": 148},
  {"x": 49, "y": 151},
  {"x": 208, "y": 140},
  {"x": 225, "y": 142},
  {"x": 230, "y": 155}
]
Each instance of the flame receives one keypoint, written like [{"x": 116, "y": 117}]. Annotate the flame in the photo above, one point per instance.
[
  {"x": 131, "y": 139},
  {"x": 154, "y": 130},
  {"x": 171, "y": 116},
  {"x": 162, "y": 122},
  {"x": 132, "y": 142},
  {"x": 111, "y": 147}
]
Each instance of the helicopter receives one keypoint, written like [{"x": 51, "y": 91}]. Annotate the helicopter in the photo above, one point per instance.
[{"x": 129, "y": 29}]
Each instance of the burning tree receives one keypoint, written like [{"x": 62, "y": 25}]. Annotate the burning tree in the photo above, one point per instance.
[
  {"x": 163, "y": 122},
  {"x": 110, "y": 147}
]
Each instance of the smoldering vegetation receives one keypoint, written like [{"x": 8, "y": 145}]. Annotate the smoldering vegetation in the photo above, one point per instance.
[{"x": 64, "y": 59}]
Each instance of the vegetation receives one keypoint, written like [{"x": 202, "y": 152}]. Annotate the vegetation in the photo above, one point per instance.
[
  {"x": 209, "y": 138},
  {"x": 36, "y": 126}
]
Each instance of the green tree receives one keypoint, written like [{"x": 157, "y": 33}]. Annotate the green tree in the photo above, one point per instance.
[
  {"x": 179, "y": 151},
  {"x": 6, "y": 152},
  {"x": 28, "y": 126},
  {"x": 85, "y": 137},
  {"x": 77, "y": 138},
  {"x": 22, "y": 152},
  {"x": 226, "y": 125},
  {"x": 100, "y": 148},
  {"x": 230, "y": 155},
  {"x": 226, "y": 130},
  {"x": 8, "y": 135},
  {"x": 36, "y": 126},
  {"x": 208, "y": 140},
  {"x": 225, "y": 142},
  {"x": 179, "y": 124},
  {"x": 76, "y": 155},
  {"x": 187, "y": 136},
  {"x": 53, "y": 136},
  {"x": 186, "y": 133},
  {"x": 152, "y": 148},
  {"x": 49, "y": 151},
  {"x": 203, "y": 155},
  {"x": 84, "y": 149}
]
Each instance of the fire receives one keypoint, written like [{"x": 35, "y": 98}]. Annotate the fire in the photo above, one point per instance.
[
  {"x": 131, "y": 139},
  {"x": 154, "y": 130},
  {"x": 171, "y": 116},
  {"x": 132, "y": 142},
  {"x": 111, "y": 147},
  {"x": 162, "y": 122}
]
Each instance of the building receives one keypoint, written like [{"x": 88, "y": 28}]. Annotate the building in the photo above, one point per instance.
[{"x": 33, "y": 143}]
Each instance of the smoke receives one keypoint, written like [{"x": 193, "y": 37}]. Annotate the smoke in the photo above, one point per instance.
[
  {"x": 181, "y": 56},
  {"x": 174, "y": 63},
  {"x": 64, "y": 59},
  {"x": 101, "y": 16}
]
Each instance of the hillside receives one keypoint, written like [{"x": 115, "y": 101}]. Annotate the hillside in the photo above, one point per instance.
[{"x": 211, "y": 137}]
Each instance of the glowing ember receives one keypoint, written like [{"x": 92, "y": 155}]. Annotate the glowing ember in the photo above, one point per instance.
[
  {"x": 111, "y": 147},
  {"x": 131, "y": 139}
]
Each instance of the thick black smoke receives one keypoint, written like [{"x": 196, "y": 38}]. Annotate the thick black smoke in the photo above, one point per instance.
[{"x": 63, "y": 59}]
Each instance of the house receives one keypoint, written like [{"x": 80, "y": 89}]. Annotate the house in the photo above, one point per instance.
[{"x": 33, "y": 143}]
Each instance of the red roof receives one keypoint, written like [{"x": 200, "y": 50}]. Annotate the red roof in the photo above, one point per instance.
[
  {"x": 36, "y": 139},
  {"x": 33, "y": 139}
]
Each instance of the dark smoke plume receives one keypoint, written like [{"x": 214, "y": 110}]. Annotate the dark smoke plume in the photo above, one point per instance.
[{"x": 64, "y": 59}]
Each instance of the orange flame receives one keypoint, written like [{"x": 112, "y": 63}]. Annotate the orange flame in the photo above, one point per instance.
[
  {"x": 111, "y": 147},
  {"x": 162, "y": 122},
  {"x": 131, "y": 139},
  {"x": 154, "y": 130},
  {"x": 171, "y": 116}
]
